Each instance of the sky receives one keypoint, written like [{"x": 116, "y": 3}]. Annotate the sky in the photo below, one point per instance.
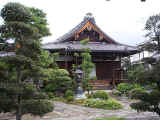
[{"x": 122, "y": 20}]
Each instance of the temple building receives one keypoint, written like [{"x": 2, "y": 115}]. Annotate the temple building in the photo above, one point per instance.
[{"x": 106, "y": 52}]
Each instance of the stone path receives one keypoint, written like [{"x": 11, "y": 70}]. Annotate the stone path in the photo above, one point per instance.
[
  {"x": 64, "y": 111},
  {"x": 74, "y": 112}
]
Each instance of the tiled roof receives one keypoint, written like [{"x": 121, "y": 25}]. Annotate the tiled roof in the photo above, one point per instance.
[
  {"x": 78, "y": 27},
  {"x": 94, "y": 47},
  {"x": 62, "y": 43}
]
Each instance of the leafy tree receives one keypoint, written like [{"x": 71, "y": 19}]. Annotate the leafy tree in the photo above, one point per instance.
[
  {"x": 153, "y": 27},
  {"x": 149, "y": 101},
  {"x": 86, "y": 66},
  {"x": 21, "y": 72},
  {"x": 59, "y": 81},
  {"x": 136, "y": 75}
]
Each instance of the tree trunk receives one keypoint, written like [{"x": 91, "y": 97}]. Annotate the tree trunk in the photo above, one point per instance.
[{"x": 18, "y": 112}]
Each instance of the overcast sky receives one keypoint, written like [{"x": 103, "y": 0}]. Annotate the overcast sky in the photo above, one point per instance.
[{"x": 123, "y": 20}]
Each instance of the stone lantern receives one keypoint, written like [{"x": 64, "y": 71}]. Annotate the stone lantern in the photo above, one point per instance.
[{"x": 79, "y": 76}]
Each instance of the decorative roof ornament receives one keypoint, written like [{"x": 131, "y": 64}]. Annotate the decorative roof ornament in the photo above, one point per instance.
[{"x": 89, "y": 16}]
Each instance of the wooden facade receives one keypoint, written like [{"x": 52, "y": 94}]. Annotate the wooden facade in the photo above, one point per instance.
[{"x": 106, "y": 52}]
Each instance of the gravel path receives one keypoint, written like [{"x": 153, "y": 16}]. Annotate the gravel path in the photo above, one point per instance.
[
  {"x": 64, "y": 111},
  {"x": 74, "y": 112}
]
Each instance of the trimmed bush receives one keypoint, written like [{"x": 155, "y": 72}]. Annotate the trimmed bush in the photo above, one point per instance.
[
  {"x": 59, "y": 82},
  {"x": 124, "y": 88},
  {"x": 103, "y": 104},
  {"x": 39, "y": 107},
  {"x": 136, "y": 92},
  {"x": 69, "y": 98},
  {"x": 50, "y": 95},
  {"x": 98, "y": 94},
  {"x": 113, "y": 104},
  {"x": 68, "y": 93}
]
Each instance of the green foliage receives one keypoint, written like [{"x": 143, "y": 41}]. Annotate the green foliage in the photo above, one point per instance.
[
  {"x": 69, "y": 98},
  {"x": 76, "y": 54},
  {"x": 136, "y": 92},
  {"x": 45, "y": 60},
  {"x": 39, "y": 107},
  {"x": 55, "y": 56},
  {"x": 50, "y": 95},
  {"x": 99, "y": 94},
  {"x": 59, "y": 81},
  {"x": 152, "y": 27},
  {"x": 86, "y": 66},
  {"x": 136, "y": 75},
  {"x": 20, "y": 73},
  {"x": 149, "y": 101},
  {"x": 110, "y": 104},
  {"x": 85, "y": 41},
  {"x": 68, "y": 93},
  {"x": 40, "y": 21},
  {"x": 15, "y": 12},
  {"x": 153, "y": 75},
  {"x": 124, "y": 88}
]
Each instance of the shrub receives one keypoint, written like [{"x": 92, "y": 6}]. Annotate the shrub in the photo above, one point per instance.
[
  {"x": 113, "y": 104},
  {"x": 39, "y": 107},
  {"x": 136, "y": 92},
  {"x": 124, "y": 88},
  {"x": 68, "y": 93},
  {"x": 109, "y": 104},
  {"x": 99, "y": 94},
  {"x": 133, "y": 86},
  {"x": 59, "y": 81},
  {"x": 69, "y": 98},
  {"x": 50, "y": 95}
]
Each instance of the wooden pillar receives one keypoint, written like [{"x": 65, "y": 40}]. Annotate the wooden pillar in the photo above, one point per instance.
[
  {"x": 114, "y": 78},
  {"x": 113, "y": 75},
  {"x": 66, "y": 65}
]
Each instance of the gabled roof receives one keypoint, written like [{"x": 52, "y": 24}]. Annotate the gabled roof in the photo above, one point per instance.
[
  {"x": 88, "y": 19},
  {"x": 64, "y": 42}
]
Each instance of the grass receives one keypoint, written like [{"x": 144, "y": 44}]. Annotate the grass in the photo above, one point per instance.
[{"x": 110, "y": 119}]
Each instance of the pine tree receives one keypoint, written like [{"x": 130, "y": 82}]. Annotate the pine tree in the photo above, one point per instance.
[
  {"x": 21, "y": 72},
  {"x": 150, "y": 101},
  {"x": 86, "y": 66}
]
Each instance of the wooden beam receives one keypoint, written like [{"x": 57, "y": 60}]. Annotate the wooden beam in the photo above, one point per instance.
[{"x": 89, "y": 24}]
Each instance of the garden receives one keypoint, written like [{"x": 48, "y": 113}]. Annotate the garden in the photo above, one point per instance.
[{"x": 21, "y": 91}]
